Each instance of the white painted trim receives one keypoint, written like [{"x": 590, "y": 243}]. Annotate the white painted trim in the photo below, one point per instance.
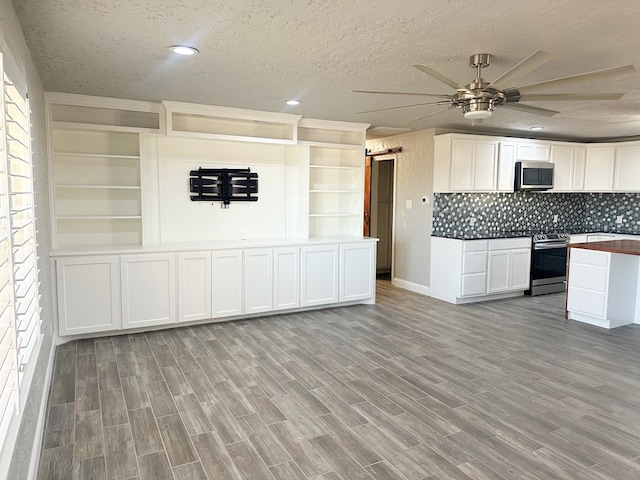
[
  {"x": 413, "y": 287},
  {"x": 36, "y": 449}
]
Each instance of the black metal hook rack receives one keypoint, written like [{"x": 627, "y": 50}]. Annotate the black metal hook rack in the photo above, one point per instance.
[{"x": 224, "y": 185}]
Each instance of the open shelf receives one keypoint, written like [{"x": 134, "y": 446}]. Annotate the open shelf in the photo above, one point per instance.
[
  {"x": 336, "y": 177},
  {"x": 96, "y": 187}
]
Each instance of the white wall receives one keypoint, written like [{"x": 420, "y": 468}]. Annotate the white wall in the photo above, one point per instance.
[
  {"x": 184, "y": 220},
  {"x": 414, "y": 180},
  {"x": 12, "y": 43}
]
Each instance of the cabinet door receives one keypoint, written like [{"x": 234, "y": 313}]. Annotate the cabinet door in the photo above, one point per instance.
[
  {"x": 520, "y": 268},
  {"x": 486, "y": 162},
  {"x": 286, "y": 278},
  {"x": 318, "y": 275},
  {"x": 598, "y": 175},
  {"x": 462, "y": 165},
  {"x": 357, "y": 271},
  {"x": 258, "y": 281},
  {"x": 562, "y": 156},
  {"x": 194, "y": 286},
  {"x": 88, "y": 295},
  {"x": 498, "y": 271},
  {"x": 226, "y": 285},
  {"x": 578, "y": 169},
  {"x": 533, "y": 151},
  {"x": 506, "y": 166},
  {"x": 148, "y": 290},
  {"x": 627, "y": 172}
]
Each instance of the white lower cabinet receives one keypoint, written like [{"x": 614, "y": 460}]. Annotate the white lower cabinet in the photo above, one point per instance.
[
  {"x": 227, "y": 283},
  {"x": 465, "y": 271},
  {"x": 88, "y": 295},
  {"x": 194, "y": 286},
  {"x": 318, "y": 275},
  {"x": 357, "y": 271},
  {"x": 508, "y": 270},
  {"x": 602, "y": 288},
  {"x": 101, "y": 293},
  {"x": 148, "y": 289},
  {"x": 258, "y": 281},
  {"x": 286, "y": 278}
]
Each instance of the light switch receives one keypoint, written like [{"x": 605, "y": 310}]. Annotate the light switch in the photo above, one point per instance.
[{"x": 409, "y": 204}]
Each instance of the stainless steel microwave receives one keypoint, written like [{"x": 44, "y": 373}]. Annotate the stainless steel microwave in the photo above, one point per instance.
[{"x": 533, "y": 176}]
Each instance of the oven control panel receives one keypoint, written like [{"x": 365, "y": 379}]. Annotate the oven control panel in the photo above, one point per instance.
[{"x": 551, "y": 237}]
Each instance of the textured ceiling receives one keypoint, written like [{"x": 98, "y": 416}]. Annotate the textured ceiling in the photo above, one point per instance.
[{"x": 257, "y": 54}]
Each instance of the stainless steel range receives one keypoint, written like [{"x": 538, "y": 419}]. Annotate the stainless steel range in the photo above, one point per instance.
[{"x": 548, "y": 263}]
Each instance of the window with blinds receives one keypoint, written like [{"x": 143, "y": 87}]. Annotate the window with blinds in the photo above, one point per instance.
[{"x": 19, "y": 298}]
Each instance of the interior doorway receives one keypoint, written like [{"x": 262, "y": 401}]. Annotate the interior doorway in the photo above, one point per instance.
[{"x": 382, "y": 182}]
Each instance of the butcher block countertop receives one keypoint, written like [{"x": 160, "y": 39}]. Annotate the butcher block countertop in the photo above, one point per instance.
[{"x": 627, "y": 247}]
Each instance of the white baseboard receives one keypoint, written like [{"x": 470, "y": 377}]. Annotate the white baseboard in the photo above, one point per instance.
[
  {"x": 36, "y": 450},
  {"x": 413, "y": 287}
]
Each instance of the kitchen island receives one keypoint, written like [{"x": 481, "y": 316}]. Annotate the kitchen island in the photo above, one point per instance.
[{"x": 603, "y": 283}]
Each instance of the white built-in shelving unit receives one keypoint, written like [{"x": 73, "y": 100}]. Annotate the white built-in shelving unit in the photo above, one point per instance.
[
  {"x": 335, "y": 177},
  {"x": 335, "y": 191},
  {"x": 96, "y": 181},
  {"x": 95, "y": 168}
]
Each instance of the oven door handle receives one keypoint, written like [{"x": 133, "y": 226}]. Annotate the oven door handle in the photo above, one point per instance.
[{"x": 549, "y": 247}]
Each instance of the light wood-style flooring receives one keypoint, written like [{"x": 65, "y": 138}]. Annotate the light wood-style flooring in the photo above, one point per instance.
[{"x": 410, "y": 388}]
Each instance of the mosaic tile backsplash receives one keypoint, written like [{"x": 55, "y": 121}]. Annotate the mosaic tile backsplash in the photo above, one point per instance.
[{"x": 533, "y": 211}]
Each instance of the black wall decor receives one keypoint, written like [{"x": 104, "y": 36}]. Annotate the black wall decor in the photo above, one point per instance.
[{"x": 224, "y": 185}]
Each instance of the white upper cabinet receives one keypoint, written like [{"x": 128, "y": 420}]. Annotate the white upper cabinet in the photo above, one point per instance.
[
  {"x": 569, "y": 166},
  {"x": 506, "y": 166},
  {"x": 579, "y": 168},
  {"x": 465, "y": 163},
  {"x": 533, "y": 150},
  {"x": 473, "y": 163},
  {"x": 563, "y": 159},
  {"x": 627, "y": 170},
  {"x": 599, "y": 168}
]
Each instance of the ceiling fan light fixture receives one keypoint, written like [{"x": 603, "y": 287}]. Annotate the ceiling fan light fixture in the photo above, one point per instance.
[{"x": 478, "y": 109}]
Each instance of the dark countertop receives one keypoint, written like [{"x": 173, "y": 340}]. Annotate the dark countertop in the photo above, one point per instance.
[
  {"x": 626, "y": 247},
  {"x": 494, "y": 234}
]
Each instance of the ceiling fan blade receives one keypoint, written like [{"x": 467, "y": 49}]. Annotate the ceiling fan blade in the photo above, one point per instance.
[
  {"x": 438, "y": 95},
  {"x": 438, "y": 76},
  {"x": 560, "y": 97},
  {"x": 529, "y": 109},
  {"x": 579, "y": 78},
  {"x": 402, "y": 106},
  {"x": 431, "y": 115},
  {"x": 528, "y": 65}
]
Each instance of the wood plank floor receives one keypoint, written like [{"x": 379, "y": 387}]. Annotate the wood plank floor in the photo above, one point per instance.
[{"x": 410, "y": 388}]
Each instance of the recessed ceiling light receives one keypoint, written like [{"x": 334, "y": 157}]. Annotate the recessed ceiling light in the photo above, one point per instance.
[
  {"x": 537, "y": 128},
  {"x": 183, "y": 50},
  {"x": 293, "y": 102}
]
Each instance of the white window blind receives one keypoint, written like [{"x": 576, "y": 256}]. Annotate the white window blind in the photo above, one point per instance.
[{"x": 19, "y": 297}]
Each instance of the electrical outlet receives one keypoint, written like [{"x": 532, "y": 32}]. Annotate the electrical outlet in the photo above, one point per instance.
[
  {"x": 409, "y": 204},
  {"x": 555, "y": 219},
  {"x": 619, "y": 219},
  {"x": 472, "y": 221}
]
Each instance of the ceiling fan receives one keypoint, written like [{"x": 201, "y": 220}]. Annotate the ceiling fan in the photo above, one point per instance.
[{"x": 479, "y": 98}]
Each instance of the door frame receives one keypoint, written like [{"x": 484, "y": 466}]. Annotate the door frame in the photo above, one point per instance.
[{"x": 394, "y": 158}]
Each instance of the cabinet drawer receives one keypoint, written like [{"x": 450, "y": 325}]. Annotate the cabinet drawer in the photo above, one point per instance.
[
  {"x": 510, "y": 243},
  {"x": 589, "y": 257},
  {"x": 474, "y": 245},
  {"x": 586, "y": 301},
  {"x": 474, "y": 284},
  {"x": 474, "y": 262},
  {"x": 588, "y": 277}
]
